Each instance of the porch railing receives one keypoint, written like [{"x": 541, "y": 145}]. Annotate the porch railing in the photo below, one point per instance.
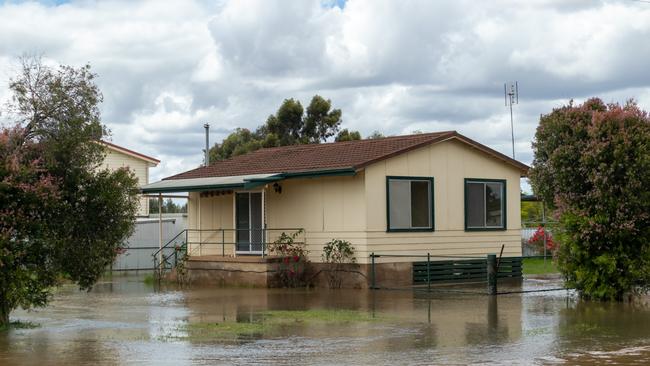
[
  {"x": 233, "y": 242},
  {"x": 168, "y": 256},
  {"x": 223, "y": 242}
]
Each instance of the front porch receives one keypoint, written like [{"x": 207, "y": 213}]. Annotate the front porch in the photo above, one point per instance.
[
  {"x": 243, "y": 270},
  {"x": 243, "y": 244}
]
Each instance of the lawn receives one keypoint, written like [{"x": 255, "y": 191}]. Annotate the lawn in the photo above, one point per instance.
[
  {"x": 271, "y": 322},
  {"x": 536, "y": 266}
]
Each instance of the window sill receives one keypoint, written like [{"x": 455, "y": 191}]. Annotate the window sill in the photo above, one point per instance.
[
  {"x": 410, "y": 230},
  {"x": 486, "y": 229}
]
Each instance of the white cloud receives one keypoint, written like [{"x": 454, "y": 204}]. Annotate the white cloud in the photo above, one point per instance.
[{"x": 165, "y": 68}]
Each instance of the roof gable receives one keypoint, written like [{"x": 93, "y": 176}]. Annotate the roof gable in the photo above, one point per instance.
[
  {"x": 330, "y": 156},
  {"x": 123, "y": 150}
]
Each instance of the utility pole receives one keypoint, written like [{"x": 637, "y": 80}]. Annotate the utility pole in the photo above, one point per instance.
[{"x": 511, "y": 95}]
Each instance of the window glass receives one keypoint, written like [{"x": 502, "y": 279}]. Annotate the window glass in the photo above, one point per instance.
[
  {"x": 243, "y": 217},
  {"x": 485, "y": 206},
  {"x": 410, "y": 204},
  {"x": 494, "y": 214},
  {"x": 475, "y": 205},
  {"x": 420, "y": 204},
  {"x": 400, "y": 206}
]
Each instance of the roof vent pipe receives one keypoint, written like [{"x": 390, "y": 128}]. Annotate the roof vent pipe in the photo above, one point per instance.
[{"x": 206, "y": 160}]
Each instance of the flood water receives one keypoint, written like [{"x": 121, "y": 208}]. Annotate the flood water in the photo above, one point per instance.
[{"x": 124, "y": 321}]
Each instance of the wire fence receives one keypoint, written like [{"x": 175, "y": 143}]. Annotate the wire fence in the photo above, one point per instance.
[
  {"x": 539, "y": 238},
  {"x": 459, "y": 274}
]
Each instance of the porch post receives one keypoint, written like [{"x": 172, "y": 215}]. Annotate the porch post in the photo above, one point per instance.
[
  {"x": 234, "y": 223},
  {"x": 263, "y": 222},
  {"x": 160, "y": 240},
  {"x": 200, "y": 233}
]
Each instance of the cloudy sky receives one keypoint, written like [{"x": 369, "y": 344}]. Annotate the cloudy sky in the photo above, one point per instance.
[{"x": 167, "y": 67}]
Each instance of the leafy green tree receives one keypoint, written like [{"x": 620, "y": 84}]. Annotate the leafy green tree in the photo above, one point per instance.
[
  {"x": 240, "y": 142},
  {"x": 168, "y": 206},
  {"x": 290, "y": 125},
  {"x": 28, "y": 193},
  {"x": 531, "y": 212},
  {"x": 321, "y": 121},
  {"x": 62, "y": 215},
  {"x": 592, "y": 164},
  {"x": 345, "y": 135},
  {"x": 375, "y": 135},
  {"x": 287, "y": 123}
]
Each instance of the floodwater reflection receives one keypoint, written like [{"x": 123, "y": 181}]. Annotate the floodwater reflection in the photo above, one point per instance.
[{"x": 124, "y": 321}]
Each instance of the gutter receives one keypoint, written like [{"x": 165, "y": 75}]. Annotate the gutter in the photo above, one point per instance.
[{"x": 256, "y": 182}]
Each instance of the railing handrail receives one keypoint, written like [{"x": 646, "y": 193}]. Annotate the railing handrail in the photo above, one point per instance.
[
  {"x": 169, "y": 242},
  {"x": 260, "y": 229},
  {"x": 223, "y": 242}
]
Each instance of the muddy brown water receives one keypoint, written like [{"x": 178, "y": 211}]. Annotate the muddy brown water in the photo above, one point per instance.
[{"x": 122, "y": 321}]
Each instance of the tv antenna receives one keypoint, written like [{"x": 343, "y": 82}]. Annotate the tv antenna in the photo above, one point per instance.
[{"x": 511, "y": 95}]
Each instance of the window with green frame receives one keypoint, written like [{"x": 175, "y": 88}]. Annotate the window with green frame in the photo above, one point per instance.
[
  {"x": 485, "y": 204},
  {"x": 409, "y": 203}
]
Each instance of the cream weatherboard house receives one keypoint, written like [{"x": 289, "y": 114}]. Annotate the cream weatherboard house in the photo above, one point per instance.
[
  {"x": 120, "y": 157},
  {"x": 438, "y": 193}
]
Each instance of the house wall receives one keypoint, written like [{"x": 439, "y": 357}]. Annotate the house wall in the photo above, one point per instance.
[
  {"x": 449, "y": 163},
  {"x": 353, "y": 208},
  {"x": 215, "y": 212},
  {"x": 115, "y": 160},
  {"x": 327, "y": 208}
]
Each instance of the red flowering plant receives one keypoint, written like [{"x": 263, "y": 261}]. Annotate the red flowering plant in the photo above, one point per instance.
[
  {"x": 293, "y": 262},
  {"x": 537, "y": 241}
]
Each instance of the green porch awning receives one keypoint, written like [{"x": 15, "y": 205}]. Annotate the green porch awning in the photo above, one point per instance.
[{"x": 235, "y": 182}]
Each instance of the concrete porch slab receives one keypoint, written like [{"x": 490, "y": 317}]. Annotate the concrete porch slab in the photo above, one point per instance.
[{"x": 231, "y": 259}]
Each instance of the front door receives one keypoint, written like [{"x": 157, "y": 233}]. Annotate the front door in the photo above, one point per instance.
[{"x": 249, "y": 222}]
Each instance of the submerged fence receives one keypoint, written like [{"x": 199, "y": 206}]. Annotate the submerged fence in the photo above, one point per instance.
[
  {"x": 429, "y": 270},
  {"x": 466, "y": 270}
]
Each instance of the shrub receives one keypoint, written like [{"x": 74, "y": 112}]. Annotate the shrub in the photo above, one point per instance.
[
  {"x": 592, "y": 164},
  {"x": 293, "y": 263},
  {"x": 537, "y": 241},
  {"x": 337, "y": 253}
]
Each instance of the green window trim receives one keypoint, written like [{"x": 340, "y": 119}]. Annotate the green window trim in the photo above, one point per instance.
[
  {"x": 432, "y": 203},
  {"x": 504, "y": 204}
]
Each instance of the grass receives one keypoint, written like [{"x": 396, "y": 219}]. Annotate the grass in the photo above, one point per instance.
[
  {"x": 536, "y": 266},
  {"x": 149, "y": 279},
  {"x": 272, "y": 321},
  {"x": 317, "y": 316}
]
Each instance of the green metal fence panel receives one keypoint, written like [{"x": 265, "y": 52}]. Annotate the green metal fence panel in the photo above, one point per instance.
[{"x": 472, "y": 270}]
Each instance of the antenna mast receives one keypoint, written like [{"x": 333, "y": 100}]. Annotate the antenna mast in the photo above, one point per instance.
[{"x": 511, "y": 96}]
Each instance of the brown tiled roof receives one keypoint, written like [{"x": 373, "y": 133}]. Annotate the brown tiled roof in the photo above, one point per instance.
[{"x": 328, "y": 156}]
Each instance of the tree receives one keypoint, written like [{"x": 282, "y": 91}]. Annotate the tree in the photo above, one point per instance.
[
  {"x": 169, "y": 206},
  {"x": 592, "y": 164},
  {"x": 288, "y": 126},
  {"x": 345, "y": 135},
  {"x": 531, "y": 212},
  {"x": 321, "y": 121},
  {"x": 240, "y": 142},
  {"x": 27, "y": 193},
  {"x": 375, "y": 135},
  {"x": 61, "y": 214},
  {"x": 287, "y": 123}
]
